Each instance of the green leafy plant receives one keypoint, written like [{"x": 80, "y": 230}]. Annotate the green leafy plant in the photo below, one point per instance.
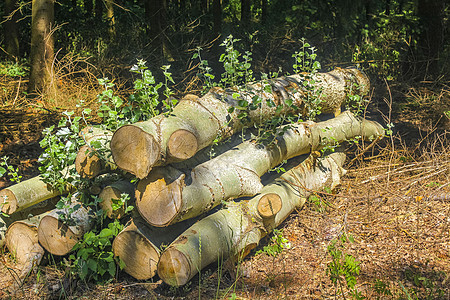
[
  {"x": 61, "y": 144},
  {"x": 277, "y": 244},
  {"x": 122, "y": 203},
  {"x": 205, "y": 71},
  {"x": 144, "y": 102},
  {"x": 343, "y": 268},
  {"x": 236, "y": 71},
  {"x": 14, "y": 69},
  {"x": 93, "y": 258},
  {"x": 307, "y": 66},
  {"x": 110, "y": 106},
  {"x": 382, "y": 289},
  {"x": 13, "y": 173}
]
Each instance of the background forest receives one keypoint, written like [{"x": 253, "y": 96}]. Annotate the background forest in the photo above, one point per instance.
[
  {"x": 405, "y": 40},
  {"x": 383, "y": 235}
]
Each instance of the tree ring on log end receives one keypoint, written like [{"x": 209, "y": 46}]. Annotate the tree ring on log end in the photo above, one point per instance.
[
  {"x": 269, "y": 205},
  {"x": 158, "y": 199},
  {"x": 182, "y": 144},
  {"x": 138, "y": 254},
  {"x": 86, "y": 164},
  {"x": 8, "y": 201},
  {"x": 134, "y": 150},
  {"x": 174, "y": 268},
  {"x": 20, "y": 240},
  {"x": 55, "y": 236}
]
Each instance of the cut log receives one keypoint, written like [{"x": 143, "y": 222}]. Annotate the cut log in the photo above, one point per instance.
[
  {"x": 234, "y": 231},
  {"x": 21, "y": 238},
  {"x": 58, "y": 237},
  {"x": 26, "y": 193},
  {"x": 139, "y": 246},
  {"x": 168, "y": 195},
  {"x": 3, "y": 229},
  {"x": 34, "y": 259},
  {"x": 26, "y": 213},
  {"x": 113, "y": 192},
  {"x": 87, "y": 163},
  {"x": 195, "y": 124}
]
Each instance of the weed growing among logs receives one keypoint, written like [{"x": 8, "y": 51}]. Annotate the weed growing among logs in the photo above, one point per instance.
[
  {"x": 343, "y": 268},
  {"x": 13, "y": 173}
]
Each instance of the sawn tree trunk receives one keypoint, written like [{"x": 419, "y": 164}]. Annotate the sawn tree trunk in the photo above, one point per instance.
[
  {"x": 236, "y": 230},
  {"x": 168, "y": 195},
  {"x": 195, "y": 124}
]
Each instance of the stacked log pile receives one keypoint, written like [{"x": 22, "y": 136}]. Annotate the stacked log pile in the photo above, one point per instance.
[{"x": 179, "y": 184}]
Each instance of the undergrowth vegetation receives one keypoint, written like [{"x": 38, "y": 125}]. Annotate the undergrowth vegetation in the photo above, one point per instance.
[{"x": 121, "y": 90}]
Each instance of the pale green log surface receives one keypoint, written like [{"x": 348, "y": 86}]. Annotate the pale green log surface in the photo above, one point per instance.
[{"x": 238, "y": 228}]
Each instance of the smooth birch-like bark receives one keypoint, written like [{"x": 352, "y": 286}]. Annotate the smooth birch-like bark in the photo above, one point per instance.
[
  {"x": 25, "y": 194},
  {"x": 234, "y": 231},
  {"x": 195, "y": 124},
  {"x": 168, "y": 195}
]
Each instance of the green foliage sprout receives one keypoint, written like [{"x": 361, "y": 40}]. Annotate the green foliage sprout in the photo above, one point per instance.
[
  {"x": 93, "y": 258},
  {"x": 343, "y": 268}
]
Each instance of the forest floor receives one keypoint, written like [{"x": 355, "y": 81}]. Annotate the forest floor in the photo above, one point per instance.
[{"x": 394, "y": 201}]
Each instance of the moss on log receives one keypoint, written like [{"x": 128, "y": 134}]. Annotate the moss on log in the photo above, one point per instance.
[
  {"x": 235, "y": 230},
  {"x": 168, "y": 195},
  {"x": 196, "y": 123}
]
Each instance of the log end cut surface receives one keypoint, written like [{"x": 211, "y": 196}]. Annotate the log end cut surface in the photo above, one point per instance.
[
  {"x": 106, "y": 199},
  {"x": 269, "y": 205},
  {"x": 182, "y": 144},
  {"x": 8, "y": 201},
  {"x": 55, "y": 236},
  {"x": 174, "y": 268},
  {"x": 86, "y": 164},
  {"x": 20, "y": 240},
  {"x": 158, "y": 200},
  {"x": 138, "y": 254},
  {"x": 134, "y": 150}
]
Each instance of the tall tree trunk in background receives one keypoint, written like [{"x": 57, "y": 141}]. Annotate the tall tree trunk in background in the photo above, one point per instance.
[
  {"x": 99, "y": 8},
  {"x": 430, "y": 40},
  {"x": 42, "y": 43},
  {"x": 11, "y": 30},
  {"x": 245, "y": 12},
  {"x": 217, "y": 16},
  {"x": 110, "y": 18}
]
